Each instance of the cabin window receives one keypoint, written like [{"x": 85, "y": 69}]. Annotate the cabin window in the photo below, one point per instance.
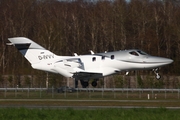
[
  {"x": 94, "y": 59},
  {"x": 134, "y": 53},
  {"x": 103, "y": 58},
  {"x": 112, "y": 57}
]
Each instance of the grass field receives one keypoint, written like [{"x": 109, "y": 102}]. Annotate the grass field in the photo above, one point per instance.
[{"x": 93, "y": 114}]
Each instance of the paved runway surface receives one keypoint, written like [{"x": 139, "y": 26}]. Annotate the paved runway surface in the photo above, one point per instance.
[
  {"x": 90, "y": 104},
  {"x": 82, "y": 107}
]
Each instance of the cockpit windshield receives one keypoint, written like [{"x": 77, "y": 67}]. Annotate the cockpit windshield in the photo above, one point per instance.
[
  {"x": 134, "y": 53},
  {"x": 137, "y": 53},
  {"x": 141, "y": 52}
]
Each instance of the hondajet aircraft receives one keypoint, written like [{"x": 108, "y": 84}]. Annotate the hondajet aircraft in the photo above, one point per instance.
[{"x": 86, "y": 67}]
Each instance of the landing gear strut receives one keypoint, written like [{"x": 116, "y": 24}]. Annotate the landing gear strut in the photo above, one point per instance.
[
  {"x": 76, "y": 83},
  {"x": 157, "y": 74}
]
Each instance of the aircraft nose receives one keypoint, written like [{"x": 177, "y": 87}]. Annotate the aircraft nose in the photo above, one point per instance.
[
  {"x": 169, "y": 61},
  {"x": 162, "y": 60}
]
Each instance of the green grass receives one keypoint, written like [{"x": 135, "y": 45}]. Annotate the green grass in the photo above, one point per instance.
[{"x": 92, "y": 114}]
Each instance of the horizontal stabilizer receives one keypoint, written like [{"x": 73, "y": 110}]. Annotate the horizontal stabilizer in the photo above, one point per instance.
[
  {"x": 9, "y": 44},
  {"x": 22, "y": 42}
]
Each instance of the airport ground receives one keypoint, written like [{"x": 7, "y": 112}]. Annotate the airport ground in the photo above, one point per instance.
[
  {"x": 91, "y": 99},
  {"x": 90, "y": 105}
]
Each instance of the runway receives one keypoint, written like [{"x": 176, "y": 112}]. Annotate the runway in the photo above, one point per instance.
[
  {"x": 87, "y": 104},
  {"x": 84, "y": 107}
]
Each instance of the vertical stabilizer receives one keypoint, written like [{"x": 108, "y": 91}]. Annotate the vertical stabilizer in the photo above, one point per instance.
[{"x": 32, "y": 51}]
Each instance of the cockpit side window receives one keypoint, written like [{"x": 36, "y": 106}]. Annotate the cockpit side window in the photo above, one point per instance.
[
  {"x": 141, "y": 52},
  {"x": 134, "y": 53}
]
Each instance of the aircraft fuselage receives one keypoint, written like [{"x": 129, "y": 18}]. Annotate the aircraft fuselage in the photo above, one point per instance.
[
  {"x": 85, "y": 67},
  {"x": 104, "y": 63}
]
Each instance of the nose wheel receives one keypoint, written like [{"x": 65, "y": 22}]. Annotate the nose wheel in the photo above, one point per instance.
[{"x": 157, "y": 74}]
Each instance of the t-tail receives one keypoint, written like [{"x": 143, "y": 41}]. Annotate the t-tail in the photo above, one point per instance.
[{"x": 32, "y": 51}]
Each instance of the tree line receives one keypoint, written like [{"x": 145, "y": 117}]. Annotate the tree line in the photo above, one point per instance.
[{"x": 65, "y": 27}]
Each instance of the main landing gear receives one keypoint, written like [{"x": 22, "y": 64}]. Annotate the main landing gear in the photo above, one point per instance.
[
  {"x": 85, "y": 83},
  {"x": 157, "y": 74},
  {"x": 94, "y": 82}
]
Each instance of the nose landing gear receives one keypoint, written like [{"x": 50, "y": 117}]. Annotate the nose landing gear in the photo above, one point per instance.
[{"x": 157, "y": 74}]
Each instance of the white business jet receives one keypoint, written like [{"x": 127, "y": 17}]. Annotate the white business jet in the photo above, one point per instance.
[{"x": 86, "y": 67}]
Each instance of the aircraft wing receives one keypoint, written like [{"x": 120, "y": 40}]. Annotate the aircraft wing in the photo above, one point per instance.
[
  {"x": 86, "y": 75},
  {"x": 76, "y": 67},
  {"x": 71, "y": 63}
]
